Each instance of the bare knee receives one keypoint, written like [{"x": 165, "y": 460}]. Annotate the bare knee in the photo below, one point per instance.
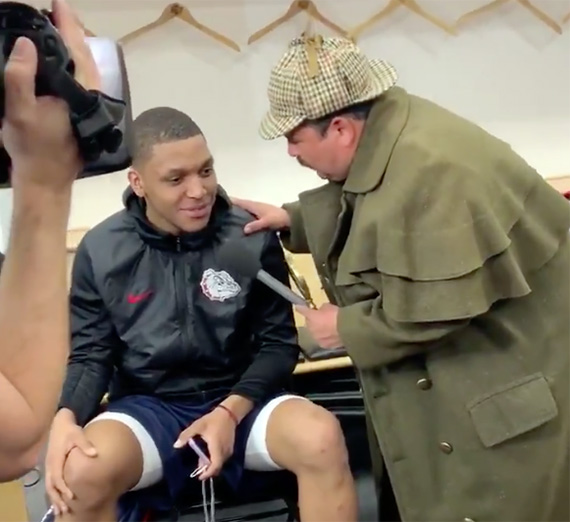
[
  {"x": 89, "y": 479},
  {"x": 311, "y": 439},
  {"x": 323, "y": 444},
  {"x": 102, "y": 479}
]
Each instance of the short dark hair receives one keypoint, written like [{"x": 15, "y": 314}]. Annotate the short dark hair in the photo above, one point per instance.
[
  {"x": 160, "y": 125},
  {"x": 359, "y": 111}
]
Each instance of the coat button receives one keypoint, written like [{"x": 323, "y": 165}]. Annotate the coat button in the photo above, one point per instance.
[
  {"x": 424, "y": 384},
  {"x": 446, "y": 447}
]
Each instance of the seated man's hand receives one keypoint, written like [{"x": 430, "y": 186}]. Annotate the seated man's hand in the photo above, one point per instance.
[
  {"x": 217, "y": 429},
  {"x": 65, "y": 436},
  {"x": 36, "y": 132}
]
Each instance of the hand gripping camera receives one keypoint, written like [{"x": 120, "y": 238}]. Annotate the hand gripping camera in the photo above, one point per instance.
[{"x": 101, "y": 120}]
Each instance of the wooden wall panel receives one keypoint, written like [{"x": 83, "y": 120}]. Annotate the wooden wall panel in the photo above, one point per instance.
[{"x": 13, "y": 502}]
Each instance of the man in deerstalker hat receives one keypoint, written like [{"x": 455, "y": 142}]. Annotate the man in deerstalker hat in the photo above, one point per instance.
[{"x": 446, "y": 260}]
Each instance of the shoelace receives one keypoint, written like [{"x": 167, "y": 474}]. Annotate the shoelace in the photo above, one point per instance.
[{"x": 209, "y": 514}]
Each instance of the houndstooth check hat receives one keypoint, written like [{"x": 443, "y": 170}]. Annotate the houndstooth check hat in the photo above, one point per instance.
[{"x": 318, "y": 76}]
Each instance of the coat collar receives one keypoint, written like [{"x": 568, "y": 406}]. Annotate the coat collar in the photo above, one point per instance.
[{"x": 383, "y": 127}]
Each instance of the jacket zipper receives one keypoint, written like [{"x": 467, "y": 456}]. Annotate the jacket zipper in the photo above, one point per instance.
[{"x": 181, "y": 286}]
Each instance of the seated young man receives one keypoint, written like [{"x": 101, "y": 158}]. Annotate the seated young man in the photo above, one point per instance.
[{"x": 184, "y": 350}]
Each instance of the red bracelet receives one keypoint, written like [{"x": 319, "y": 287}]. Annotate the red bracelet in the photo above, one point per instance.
[{"x": 230, "y": 413}]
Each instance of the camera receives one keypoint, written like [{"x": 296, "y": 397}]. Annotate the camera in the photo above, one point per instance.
[{"x": 101, "y": 120}]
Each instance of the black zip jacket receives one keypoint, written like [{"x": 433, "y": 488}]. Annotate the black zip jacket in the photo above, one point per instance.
[{"x": 153, "y": 314}]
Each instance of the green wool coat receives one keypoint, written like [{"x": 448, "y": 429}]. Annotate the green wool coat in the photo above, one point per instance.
[{"x": 450, "y": 260}]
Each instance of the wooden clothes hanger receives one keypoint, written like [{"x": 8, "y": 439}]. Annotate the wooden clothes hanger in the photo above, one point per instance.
[
  {"x": 298, "y": 6},
  {"x": 172, "y": 11},
  {"x": 538, "y": 13},
  {"x": 411, "y": 5}
]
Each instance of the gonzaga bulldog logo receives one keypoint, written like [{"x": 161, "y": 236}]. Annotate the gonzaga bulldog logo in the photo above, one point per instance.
[{"x": 218, "y": 285}]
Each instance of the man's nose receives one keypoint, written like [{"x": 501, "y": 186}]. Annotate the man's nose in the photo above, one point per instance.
[
  {"x": 195, "y": 189},
  {"x": 292, "y": 150}
]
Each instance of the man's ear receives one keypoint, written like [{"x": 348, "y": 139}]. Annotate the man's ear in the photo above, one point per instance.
[
  {"x": 135, "y": 182},
  {"x": 348, "y": 129}
]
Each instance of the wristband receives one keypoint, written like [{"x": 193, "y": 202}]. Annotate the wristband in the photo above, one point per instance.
[{"x": 230, "y": 413}]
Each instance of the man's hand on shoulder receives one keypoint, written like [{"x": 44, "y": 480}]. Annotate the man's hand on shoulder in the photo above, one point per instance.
[{"x": 268, "y": 217}]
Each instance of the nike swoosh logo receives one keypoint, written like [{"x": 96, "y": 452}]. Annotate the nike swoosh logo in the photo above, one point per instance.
[{"x": 137, "y": 298}]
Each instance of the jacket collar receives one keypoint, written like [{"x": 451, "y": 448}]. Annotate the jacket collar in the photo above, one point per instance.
[
  {"x": 136, "y": 210},
  {"x": 383, "y": 127}
]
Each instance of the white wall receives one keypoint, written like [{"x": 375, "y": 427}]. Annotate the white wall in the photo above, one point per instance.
[{"x": 507, "y": 71}]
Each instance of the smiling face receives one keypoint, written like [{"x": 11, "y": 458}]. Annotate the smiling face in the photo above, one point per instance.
[
  {"x": 178, "y": 183},
  {"x": 173, "y": 170}
]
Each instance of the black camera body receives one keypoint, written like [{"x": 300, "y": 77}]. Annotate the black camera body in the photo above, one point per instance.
[{"x": 101, "y": 120}]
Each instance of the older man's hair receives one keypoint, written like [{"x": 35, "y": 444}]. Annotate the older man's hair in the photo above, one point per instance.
[
  {"x": 160, "y": 125},
  {"x": 360, "y": 112}
]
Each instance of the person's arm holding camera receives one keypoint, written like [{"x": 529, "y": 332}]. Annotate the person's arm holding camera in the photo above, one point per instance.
[{"x": 34, "y": 313}]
